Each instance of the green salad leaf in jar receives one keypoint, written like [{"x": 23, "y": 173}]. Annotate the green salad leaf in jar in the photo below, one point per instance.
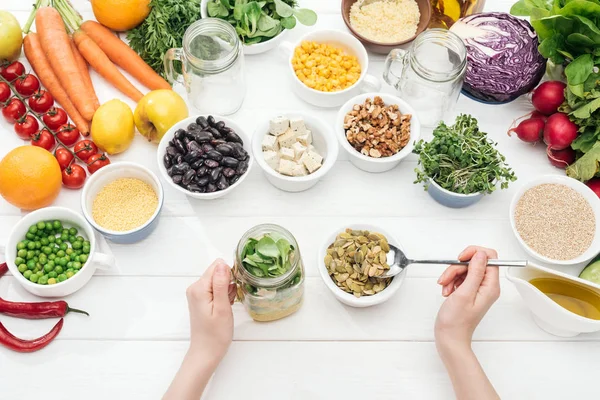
[{"x": 267, "y": 257}]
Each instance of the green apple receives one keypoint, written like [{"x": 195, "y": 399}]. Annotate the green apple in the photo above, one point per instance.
[
  {"x": 11, "y": 37},
  {"x": 157, "y": 112}
]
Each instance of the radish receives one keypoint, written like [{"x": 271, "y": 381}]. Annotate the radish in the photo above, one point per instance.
[
  {"x": 561, "y": 158},
  {"x": 559, "y": 131},
  {"x": 529, "y": 130},
  {"x": 594, "y": 184},
  {"x": 548, "y": 96},
  {"x": 538, "y": 115}
]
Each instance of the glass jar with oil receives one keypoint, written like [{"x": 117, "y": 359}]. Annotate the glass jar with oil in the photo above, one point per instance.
[
  {"x": 444, "y": 13},
  {"x": 571, "y": 296}
]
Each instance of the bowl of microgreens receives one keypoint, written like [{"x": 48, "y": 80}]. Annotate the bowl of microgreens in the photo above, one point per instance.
[
  {"x": 460, "y": 164},
  {"x": 260, "y": 24}
]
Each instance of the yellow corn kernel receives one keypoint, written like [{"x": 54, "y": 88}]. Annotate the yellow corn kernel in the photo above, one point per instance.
[{"x": 310, "y": 64}]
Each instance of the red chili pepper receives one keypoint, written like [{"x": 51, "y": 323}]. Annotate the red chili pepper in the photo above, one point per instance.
[
  {"x": 3, "y": 269},
  {"x": 28, "y": 346},
  {"x": 41, "y": 310}
]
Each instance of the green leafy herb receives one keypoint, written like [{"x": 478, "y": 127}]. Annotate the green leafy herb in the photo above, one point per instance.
[
  {"x": 163, "y": 29},
  {"x": 259, "y": 21},
  {"x": 460, "y": 158},
  {"x": 268, "y": 257},
  {"x": 587, "y": 166}
]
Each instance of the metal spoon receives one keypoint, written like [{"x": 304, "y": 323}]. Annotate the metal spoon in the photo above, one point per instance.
[{"x": 401, "y": 262}]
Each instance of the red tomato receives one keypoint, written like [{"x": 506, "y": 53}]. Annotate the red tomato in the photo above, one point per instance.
[
  {"x": 27, "y": 85},
  {"x": 40, "y": 102},
  {"x": 54, "y": 118},
  {"x": 4, "y": 92},
  {"x": 13, "y": 71},
  {"x": 74, "y": 176},
  {"x": 43, "y": 139},
  {"x": 67, "y": 134},
  {"x": 63, "y": 156},
  {"x": 85, "y": 149},
  {"x": 13, "y": 110},
  {"x": 26, "y": 126},
  {"x": 96, "y": 162}
]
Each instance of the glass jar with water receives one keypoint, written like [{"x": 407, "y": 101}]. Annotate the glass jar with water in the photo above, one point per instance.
[
  {"x": 429, "y": 76},
  {"x": 212, "y": 64}
]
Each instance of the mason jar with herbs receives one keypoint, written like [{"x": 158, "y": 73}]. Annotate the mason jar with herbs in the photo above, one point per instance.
[{"x": 269, "y": 273}]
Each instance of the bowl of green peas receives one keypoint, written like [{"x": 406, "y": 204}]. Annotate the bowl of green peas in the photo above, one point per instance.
[{"x": 51, "y": 252}]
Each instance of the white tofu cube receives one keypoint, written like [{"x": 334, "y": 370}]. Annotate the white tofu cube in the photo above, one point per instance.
[
  {"x": 286, "y": 167},
  {"x": 311, "y": 148},
  {"x": 312, "y": 161},
  {"x": 287, "y": 139},
  {"x": 272, "y": 158},
  {"x": 299, "y": 150},
  {"x": 278, "y": 125},
  {"x": 285, "y": 153},
  {"x": 299, "y": 170},
  {"x": 270, "y": 143},
  {"x": 297, "y": 125},
  {"x": 306, "y": 138}
]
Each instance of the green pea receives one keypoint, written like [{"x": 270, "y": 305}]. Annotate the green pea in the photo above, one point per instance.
[
  {"x": 44, "y": 241},
  {"x": 48, "y": 226},
  {"x": 34, "y": 278},
  {"x": 73, "y": 257},
  {"x": 86, "y": 243},
  {"x": 83, "y": 258},
  {"x": 36, "y": 259},
  {"x": 22, "y": 268},
  {"x": 70, "y": 270},
  {"x": 30, "y": 264},
  {"x": 59, "y": 270},
  {"x": 48, "y": 267},
  {"x": 30, "y": 254},
  {"x": 41, "y": 225},
  {"x": 72, "y": 239},
  {"x": 22, "y": 253},
  {"x": 70, "y": 264},
  {"x": 43, "y": 280},
  {"x": 52, "y": 274},
  {"x": 21, "y": 245},
  {"x": 62, "y": 278},
  {"x": 19, "y": 260},
  {"x": 79, "y": 252},
  {"x": 51, "y": 239},
  {"x": 80, "y": 238},
  {"x": 57, "y": 225},
  {"x": 51, "y": 281},
  {"x": 69, "y": 251},
  {"x": 47, "y": 250},
  {"x": 62, "y": 262},
  {"x": 63, "y": 246},
  {"x": 73, "y": 232},
  {"x": 36, "y": 252},
  {"x": 58, "y": 240},
  {"x": 43, "y": 261},
  {"x": 86, "y": 249},
  {"x": 31, "y": 245},
  {"x": 64, "y": 237},
  {"x": 76, "y": 265},
  {"x": 36, "y": 270},
  {"x": 65, "y": 231},
  {"x": 60, "y": 253},
  {"x": 69, "y": 274},
  {"x": 52, "y": 256},
  {"x": 77, "y": 245},
  {"x": 38, "y": 245},
  {"x": 33, "y": 229},
  {"x": 27, "y": 274}
]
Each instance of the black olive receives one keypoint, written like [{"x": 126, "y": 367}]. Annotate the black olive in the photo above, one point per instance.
[
  {"x": 203, "y": 136},
  {"x": 188, "y": 176},
  {"x": 220, "y": 125},
  {"x": 192, "y": 187},
  {"x": 217, "y": 142},
  {"x": 194, "y": 146},
  {"x": 230, "y": 162},
  {"x": 224, "y": 149},
  {"x": 228, "y": 172},
  {"x": 178, "y": 159},
  {"x": 215, "y": 174},
  {"x": 211, "y": 120},
  {"x": 192, "y": 157},
  {"x": 181, "y": 168},
  {"x": 222, "y": 184},
  {"x": 167, "y": 161},
  {"x": 177, "y": 179},
  {"x": 207, "y": 147},
  {"x": 197, "y": 164},
  {"x": 202, "y": 122},
  {"x": 211, "y": 163},
  {"x": 242, "y": 168},
  {"x": 170, "y": 171},
  {"x": 193, "y": 127},
  {"x": 233, "y": 137},
  {"x": 214, "y": 155},
  {"x": 210, "y": 188},
  {"x": 234, "y": 179},
  {"x": 203, "y": 170},
  {"x": 180, "y": 146},
  {"x": 172, "y": 151},
  {"x": 179, "y": 134},
  {"x": 203, "y": 181}
]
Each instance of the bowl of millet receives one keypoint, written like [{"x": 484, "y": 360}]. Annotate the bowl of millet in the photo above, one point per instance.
[{"x": 123, "y": 201}]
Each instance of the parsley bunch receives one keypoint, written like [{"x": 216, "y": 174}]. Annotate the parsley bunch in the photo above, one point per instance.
[
  {"x": 162, "y": 30},
  {"x": 460, "y": 158}
]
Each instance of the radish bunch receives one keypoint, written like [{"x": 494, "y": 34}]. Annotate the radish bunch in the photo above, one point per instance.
[{"x": 555, "y": 128}]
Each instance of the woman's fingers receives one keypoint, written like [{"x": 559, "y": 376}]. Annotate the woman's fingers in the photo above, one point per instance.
[
  {"x": 468, "y": 253},
  {"x": 451, "y": 273},
  {"x": 220, "y": 285},
  {"x": 232, "y": 292},
  {"x": 475, "y": 274}
]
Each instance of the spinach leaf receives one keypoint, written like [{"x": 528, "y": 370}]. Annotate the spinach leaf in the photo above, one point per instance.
[
  {"x": 266, "y": 247},
  {"x": 305, "y": 16},
  {"x": 267, "y": 257},
  {"x": 288, "y": 22},
  {"x": 283, "y": 9},
  {"x": 217, "y": 9},
  {"x": 579, "y": 70},
  {"x": 587, "y": 166}
]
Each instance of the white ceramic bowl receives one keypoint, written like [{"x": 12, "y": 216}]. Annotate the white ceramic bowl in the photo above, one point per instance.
[
  {"x": 250, "y": 49},
  {"x": 108, "y": 174},
  {"x": 350, "y": 299},
  {"x": 366, "y": 82},
  {"x": 582, "y": 189},
  {"x": 323, "y": 140},
  {"x": 162, "y": 146},
  {"x": 71, "y": 219},
  {"x": 382, "y": 164}
]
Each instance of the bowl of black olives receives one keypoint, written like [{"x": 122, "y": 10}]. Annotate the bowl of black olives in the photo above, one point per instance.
[{"x": 205, "y": 157}]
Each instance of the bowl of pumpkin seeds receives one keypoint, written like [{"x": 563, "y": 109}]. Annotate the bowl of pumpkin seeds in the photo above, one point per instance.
[{"x": 352, "y": 259}]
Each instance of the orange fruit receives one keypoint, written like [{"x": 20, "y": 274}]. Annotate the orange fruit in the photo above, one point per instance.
[
  {"x": 120, "y": 15},
  {"x": 30, "y": 177}
]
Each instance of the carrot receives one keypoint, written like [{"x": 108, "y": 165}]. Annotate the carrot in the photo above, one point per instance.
[
  {"x": 122, "y": 55},
  {"x": 102, "y": 64},
  {"x": 85, "y": 73},
  {"x": 36, "y": 57},
  {"x": 55, "y": 43}
]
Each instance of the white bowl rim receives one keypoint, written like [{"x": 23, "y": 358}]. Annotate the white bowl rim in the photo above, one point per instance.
[
  {"x": 405, "y": 108},
  {"x": 574, "y": 184},
  {"x": 84, "y": 195},
  {"x": 363, "y": 69},
  {"x": 230, "y": 123},
  {"x": 366, "y": 301},
  {"x": 450, "y": 193},
  {"x": 330, "y": 160}
]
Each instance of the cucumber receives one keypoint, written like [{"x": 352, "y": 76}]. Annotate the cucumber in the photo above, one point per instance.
[{"x": 591, "y": 272}]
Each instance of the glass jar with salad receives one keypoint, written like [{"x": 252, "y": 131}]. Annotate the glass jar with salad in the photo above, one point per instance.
[{"x": 269, "y": 273}]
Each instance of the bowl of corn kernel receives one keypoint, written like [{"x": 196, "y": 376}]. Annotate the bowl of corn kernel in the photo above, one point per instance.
[{"x": 328, "y": 67}]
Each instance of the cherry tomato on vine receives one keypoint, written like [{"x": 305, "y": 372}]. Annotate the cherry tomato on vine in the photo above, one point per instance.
[
  {"x": 85, "y": 149},
  {"x": 40, "y": 102},
  {"x": 43, "y": 139},
  {"x": 67, "y": 134},
  {"x": 26, "y": 126},
  {"x": 27, "y": 85},
  {"x": 74, "y": 176},
  {"x": 63, "y": 156},
  {"x": 4, "y": 92},
  {"x": 96, "y": 162},
  {"x": 55, "y": 117},
  {"x": 13, "y": 110},
  {"x": 13, "y": 70}
]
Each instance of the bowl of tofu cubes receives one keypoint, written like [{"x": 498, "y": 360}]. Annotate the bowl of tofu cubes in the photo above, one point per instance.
[{"x": 294, "y": 150}]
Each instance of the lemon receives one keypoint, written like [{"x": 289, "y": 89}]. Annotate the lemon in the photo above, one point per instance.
[
  {"x": 112, "y": 127},
  {"x": 11, "y": 37}
]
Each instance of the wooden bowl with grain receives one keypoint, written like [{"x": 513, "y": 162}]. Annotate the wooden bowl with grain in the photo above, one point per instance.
[{"x": 385, "y": 48}]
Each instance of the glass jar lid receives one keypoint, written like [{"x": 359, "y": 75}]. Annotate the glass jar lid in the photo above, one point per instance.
[
  {"x": 438, "y": 55},
  {"x": 211, "y": 44}
]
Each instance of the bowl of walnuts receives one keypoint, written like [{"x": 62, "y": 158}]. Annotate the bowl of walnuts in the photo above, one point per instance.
[{"x": 377, "y": 130}]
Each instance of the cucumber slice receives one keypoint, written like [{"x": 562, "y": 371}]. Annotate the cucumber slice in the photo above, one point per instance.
[{"x": 591, "y": 272}]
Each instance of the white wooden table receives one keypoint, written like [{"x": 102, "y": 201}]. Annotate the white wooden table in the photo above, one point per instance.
[{"x": 137, "y": 334}]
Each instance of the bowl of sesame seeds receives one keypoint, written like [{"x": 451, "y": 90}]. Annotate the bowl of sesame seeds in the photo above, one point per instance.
[{"x": 122, "y": 201}]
